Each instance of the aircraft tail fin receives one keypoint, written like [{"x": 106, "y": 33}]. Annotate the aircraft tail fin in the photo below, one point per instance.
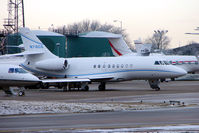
[
  {"x": 33, "y": 44},
  {"x": 142, "y": 49},
  {"x": 119, "y": 46}
]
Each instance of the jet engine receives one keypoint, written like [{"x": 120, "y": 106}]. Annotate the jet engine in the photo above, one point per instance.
[{"x": 52, "y": 64}]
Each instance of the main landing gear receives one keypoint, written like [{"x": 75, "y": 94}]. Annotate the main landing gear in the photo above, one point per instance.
[
  {"x": 102, "y": 86},
  {"x": 154, "y": 84},
  {"x": 85, "y": 86},
  {"x": 79, "y": 86}
]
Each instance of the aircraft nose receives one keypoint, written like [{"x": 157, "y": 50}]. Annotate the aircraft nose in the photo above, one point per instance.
[
  {"x": 181, "y": 72},
  {"x": 33, "y": 78}
]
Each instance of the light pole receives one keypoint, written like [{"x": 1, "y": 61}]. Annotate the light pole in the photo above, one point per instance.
[
  {"x": 120, "y": 23},
  {"x": 57, "y": 44}
]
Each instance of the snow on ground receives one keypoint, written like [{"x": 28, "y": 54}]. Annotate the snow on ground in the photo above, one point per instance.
[
  {"x": 161, "y": 129},
  {"x": 12, "y": 107}
]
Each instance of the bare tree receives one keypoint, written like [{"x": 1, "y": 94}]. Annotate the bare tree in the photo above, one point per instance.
[
  {"x": 159, "y": 40},
  {"x": 87, "y": 26}
]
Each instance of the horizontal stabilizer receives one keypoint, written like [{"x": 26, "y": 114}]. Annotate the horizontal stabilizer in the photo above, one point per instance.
[{"x": 21, "y": 54}]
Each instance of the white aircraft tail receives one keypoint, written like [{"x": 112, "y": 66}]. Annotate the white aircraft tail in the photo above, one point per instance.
[
  {"x": 33, "y": 45},
  {"x": 116, "y": 41},
  {"x": 119, "y": 46},
  {"x": 142, "y": 49},
  {"x": 38, "y": 57}
]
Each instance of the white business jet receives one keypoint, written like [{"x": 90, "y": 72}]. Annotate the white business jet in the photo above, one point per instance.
[
  {"x": 187, "y": 62},
  {"x": 120, "y": 48},
  {"x": 94, "y": 69},
  {"x": 13, "y": 76}
]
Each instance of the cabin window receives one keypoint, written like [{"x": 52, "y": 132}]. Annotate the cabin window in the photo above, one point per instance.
[
  {"x": 122, "y": 65},
  {"x": 118, "y": 65},
  {"x": 170, "y": 62},
  {"x": 104, "y": 66},
  {"x": 126, "y": 65},
  {"x": 113, "y": 66},
  {"x": 180, "y": 62},
  {"x": 109, "y": 66},
  {"x": 94, "y": 66},
  {"x": 98, "y": 66}
]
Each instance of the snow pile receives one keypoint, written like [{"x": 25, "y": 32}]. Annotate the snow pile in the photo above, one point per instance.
[{"x": 8, "y": 107}]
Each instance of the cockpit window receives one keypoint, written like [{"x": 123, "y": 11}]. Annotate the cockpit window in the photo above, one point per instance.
[
  {"x": 157, "y": 63},
  {"x": 19, "y": 70},
  {"x": 16, "y": 70},
  {"x": 11, "y": 70},
  {"x": 162, "y": 63},
  {"x": 166, "y": 62}
]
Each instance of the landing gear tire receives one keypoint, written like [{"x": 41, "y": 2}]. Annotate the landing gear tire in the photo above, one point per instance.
[
  {"x": 162, "y": 80},
  {"x": 21, "y": 93},
  {"x": 45, "y": 86},
  {"x": 172, "y": 79},
  {"x": 157, "y": 89},
  {"x": 65, "y": 88},
  {"x": 60, "y": 85},
  {"x": 86, "y": 88},
  {"x": 102, "y": 86}
]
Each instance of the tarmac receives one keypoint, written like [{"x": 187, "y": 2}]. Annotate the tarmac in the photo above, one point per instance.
[{"x": 182, "y": 98}]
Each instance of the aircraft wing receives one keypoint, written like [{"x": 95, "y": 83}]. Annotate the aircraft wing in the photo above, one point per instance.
[
  {"x": 97, "y": 79},
  {"x": 65, "y": 80},
  {"x": 192, "y": 33}
]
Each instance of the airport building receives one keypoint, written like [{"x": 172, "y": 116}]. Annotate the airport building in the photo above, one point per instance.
[{"x": 87, "y": 47}]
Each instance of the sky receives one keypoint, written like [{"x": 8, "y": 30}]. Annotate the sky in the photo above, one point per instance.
[{"x": 139, "y": 17}]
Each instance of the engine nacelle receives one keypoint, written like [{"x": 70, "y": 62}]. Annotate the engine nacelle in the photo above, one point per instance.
[{"x": 52, "y": 64}]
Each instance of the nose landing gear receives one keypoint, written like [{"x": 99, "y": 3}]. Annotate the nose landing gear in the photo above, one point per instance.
[{"x": 154, "y": 84}]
